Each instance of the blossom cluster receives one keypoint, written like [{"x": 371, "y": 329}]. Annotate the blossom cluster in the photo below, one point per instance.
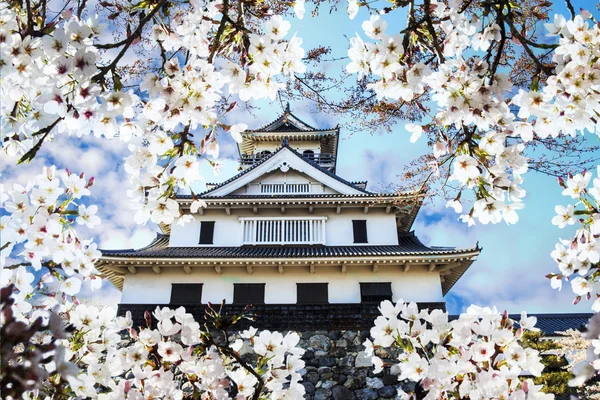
[
  {"x": 589, "y": 367},
  {"x": 568, "y": 103},
  {"x": 56, "y": 81},
  {"x": 578, "y": 257},
  {"x": 187, "y": 95},
  {"x": 476, "y": 356},
  {"x": 471, "y": 98},
  {"x": 39, "y": 228},
  {"x": 47, "y": 84},
  {"x": 172, "y": 357}
]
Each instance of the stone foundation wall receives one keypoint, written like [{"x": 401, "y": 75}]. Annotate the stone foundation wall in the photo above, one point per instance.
[{"x": 338, "y": 368}]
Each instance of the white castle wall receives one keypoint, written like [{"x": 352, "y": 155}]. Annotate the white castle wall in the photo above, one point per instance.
[
  {"x": 148, "y": 287},
  {"x": 381, "y": 227}
]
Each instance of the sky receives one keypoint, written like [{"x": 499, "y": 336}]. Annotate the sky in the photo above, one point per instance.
[{"x": 509, "y": 274}]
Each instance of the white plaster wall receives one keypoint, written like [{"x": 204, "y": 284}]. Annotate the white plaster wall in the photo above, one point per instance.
[
  {"x": 381, "y": 227},
  {"x": 147, "y": 287}
]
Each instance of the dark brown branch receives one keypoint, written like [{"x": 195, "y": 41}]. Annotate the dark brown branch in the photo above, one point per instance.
[
  {"x": 33, "y": 151},
  {"x": 220, "y": 30},
  {"x": 81, "y": 7},
  {"x": 571, "y": 8},
  {"x": 29, "y": 17},
  {"x": 501, "y": 44},
  {"x": 431, "y": 29},
  {"x": 105, "y": 46}
]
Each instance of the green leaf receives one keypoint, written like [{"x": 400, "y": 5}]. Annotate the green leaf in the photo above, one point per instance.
[
  {"x": 117, "y": 82},
  {"x": 582, "y": 212}
]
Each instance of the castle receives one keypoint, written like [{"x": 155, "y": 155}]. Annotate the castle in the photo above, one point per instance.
[{"x": 307, "y": 248}]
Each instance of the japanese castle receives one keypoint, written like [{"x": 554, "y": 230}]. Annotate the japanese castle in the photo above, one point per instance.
[{"x": 306, "y": 247}]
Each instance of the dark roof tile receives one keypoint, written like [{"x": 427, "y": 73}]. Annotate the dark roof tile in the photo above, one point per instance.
[
  {"x": 408, "y": 245},
  {"x": 550, "y": 324}
]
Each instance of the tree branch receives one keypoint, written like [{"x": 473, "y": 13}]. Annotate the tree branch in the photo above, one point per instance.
[
  {"x": 571, "y": 8},
  {"x": 220, "y": 30},
  {"x": 431, "y": 29},
  {"x": 513, "y": 29},
  {"x": 99, "y": 77}
]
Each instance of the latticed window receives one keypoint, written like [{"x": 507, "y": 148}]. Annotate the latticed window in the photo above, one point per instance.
[
  {"x": 312, "y": 293},
  {"x": 249, "y": 293},
  {"x": 207, "y": 231},
  {"x": 186, "y": 293},
  {"x": 375, "y": 292},
  {"x": 360, "y": 231}
]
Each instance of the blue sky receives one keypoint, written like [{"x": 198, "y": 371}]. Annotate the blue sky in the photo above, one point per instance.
[{"x": 509, "y": 273}]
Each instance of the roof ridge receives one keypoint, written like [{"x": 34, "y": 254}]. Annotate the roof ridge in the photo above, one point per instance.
[{"x": 283, "y": 117}]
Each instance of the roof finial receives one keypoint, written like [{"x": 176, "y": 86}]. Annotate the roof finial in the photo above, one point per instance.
[
  {"x": 284, "y": 141},
  {"x": 287, "y": 107}
]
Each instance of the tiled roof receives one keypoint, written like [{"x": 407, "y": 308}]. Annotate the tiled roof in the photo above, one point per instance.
[
  {"x": 552, "y": 323},
  {"x": 159, "y": 248},
  {"x": 286, "y": 122},
  {"x": 255, "y": 165}
]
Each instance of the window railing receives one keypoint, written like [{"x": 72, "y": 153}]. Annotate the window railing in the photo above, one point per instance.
[
  {"x": 321, "y": 159},
  {"x": 284, "y": 188},
  {"x": 283, "y": 230}
]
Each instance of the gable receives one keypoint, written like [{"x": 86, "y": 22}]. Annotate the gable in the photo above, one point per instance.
[
  {"x": 282, "y": 161},
  {"x": 284, "y": 183}
]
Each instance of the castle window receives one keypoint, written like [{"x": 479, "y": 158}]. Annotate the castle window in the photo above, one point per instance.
[
  {"x": 249, "y": 293},
  {"x": 375, "y": 292},
  {"x": 207, "y": 230},
  {"x": 360, "y": 231},
  {"x": 312, "y": 293},
  {"x": 309, "y": 154},
  {"x": 263, "y": 154},
  {"x": 186, "y": 293}
]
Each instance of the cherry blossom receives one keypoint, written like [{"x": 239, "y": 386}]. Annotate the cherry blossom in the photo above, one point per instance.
[
  {"x": 478, "y": 355},
  {"x": 578, "y": 257}
]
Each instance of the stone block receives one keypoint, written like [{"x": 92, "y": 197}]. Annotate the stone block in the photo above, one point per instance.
[
  {"x": 342, "y": 393},
  {"x": 309, "y": 387},
  {"x": 319, "y": 342},
  {"x": 374, "y": 383},
  {"x": 363, "y": 360},
  {"x": 326, "y": 361},
  {"x": 387, "y": 392},
  {"x": 312, "y": 377},
  {"x": 328, "y": 384},
  {"x": 366, "y": 394}
]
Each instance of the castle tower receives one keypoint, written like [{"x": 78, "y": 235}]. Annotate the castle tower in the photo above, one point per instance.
[
  {"x": 306, "y": 247},
  {"x": 316, "y": 145}
]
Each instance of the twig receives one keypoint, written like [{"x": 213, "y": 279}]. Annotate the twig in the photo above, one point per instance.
[{"x": 103, "y": 70}]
